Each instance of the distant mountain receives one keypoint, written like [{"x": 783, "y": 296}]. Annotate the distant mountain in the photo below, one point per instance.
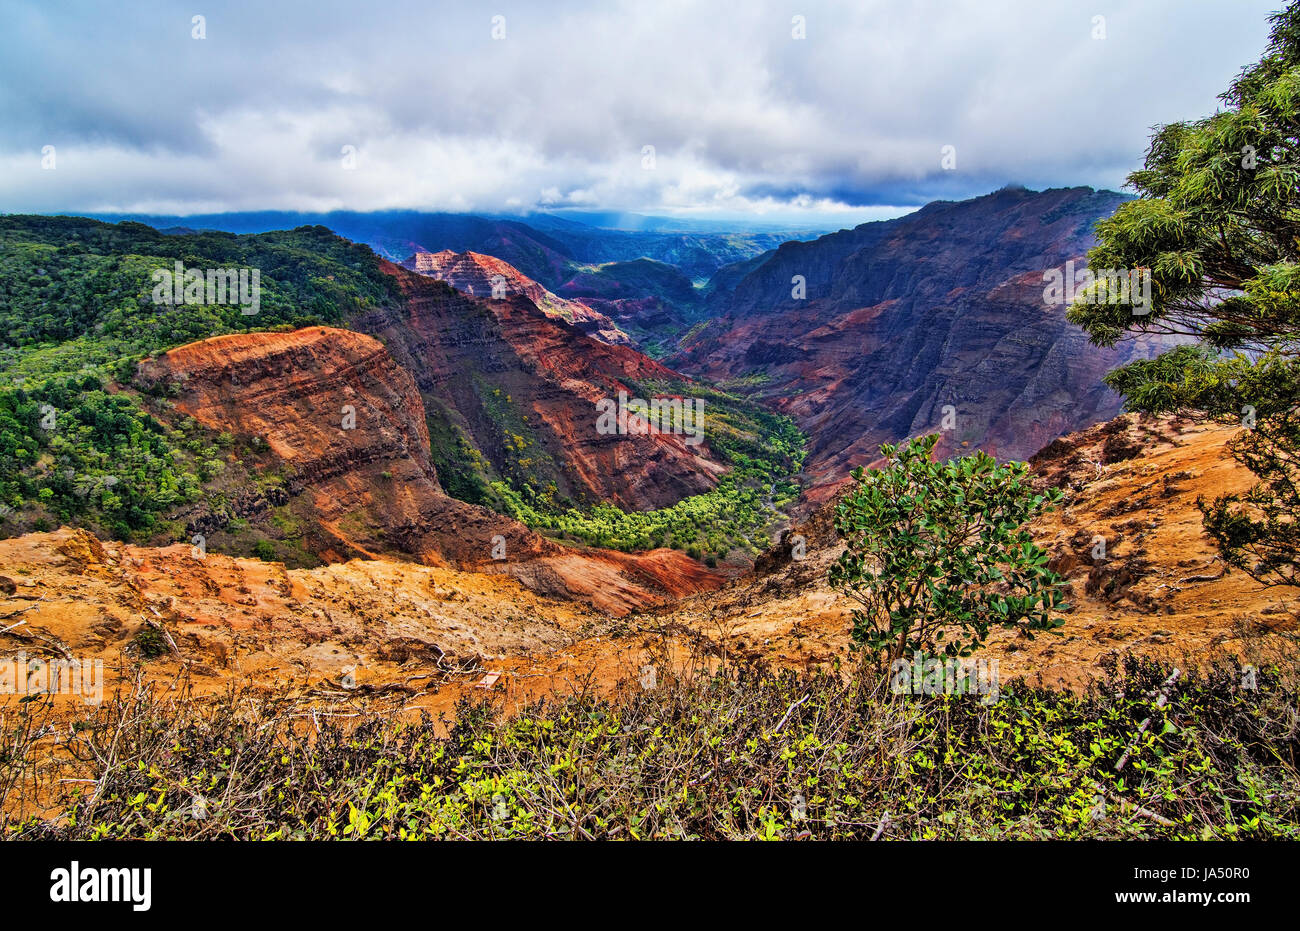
[
  {"x": 636, "y": 222},
  {"x": 653, "y": 301},
  {"x": 397, "y": 234},
  {"x": 542, "y": 246},
  {"x": 572, "y": 256},
  {"x": 902, "y": 319}
]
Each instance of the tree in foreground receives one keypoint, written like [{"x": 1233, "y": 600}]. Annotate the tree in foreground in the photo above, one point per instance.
[
  {"x": 938, "y": 553},
  {"x": 1217, "y": 224}
]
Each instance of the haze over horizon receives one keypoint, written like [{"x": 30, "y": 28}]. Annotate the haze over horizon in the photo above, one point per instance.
[{"x": 454, "y": 109}]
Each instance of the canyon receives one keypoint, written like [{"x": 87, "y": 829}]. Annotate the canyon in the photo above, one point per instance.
[
  {"x": 367, "y": 630},
  {"x": 346, "y": 425},
  {"x": 522, "y": 385},
  {"x": 897, "y": 321},
  {"x": 364, "y": 453}
]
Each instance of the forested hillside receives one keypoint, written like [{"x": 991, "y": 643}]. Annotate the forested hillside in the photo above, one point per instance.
[{"x": 83, "y": 442}]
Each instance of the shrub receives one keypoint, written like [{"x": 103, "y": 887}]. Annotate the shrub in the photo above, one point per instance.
[{"x": 938, "y": 553}]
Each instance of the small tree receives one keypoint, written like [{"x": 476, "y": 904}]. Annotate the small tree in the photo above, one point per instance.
[
  {"x": 937, "y": 553},
  {"x": 1217, "y": 225}
]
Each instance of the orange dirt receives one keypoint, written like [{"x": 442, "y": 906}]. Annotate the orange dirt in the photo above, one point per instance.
[
  {"x": 1159, "y": 590},
  {"x": 425, "y": 635}
]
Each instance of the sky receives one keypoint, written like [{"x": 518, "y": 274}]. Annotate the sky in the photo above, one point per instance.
[{"x": 812, "y": 113}]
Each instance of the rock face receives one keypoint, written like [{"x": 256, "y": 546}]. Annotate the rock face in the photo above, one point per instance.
[
  {"x": 525, "y": 386},
  {"x": 904, "y": 318},
  {"x": 347, "y": 424},
  {"x": 484, "y": 276},
  {"x": 1133, "y": 483},
  {"x": 344, "y": 425}
]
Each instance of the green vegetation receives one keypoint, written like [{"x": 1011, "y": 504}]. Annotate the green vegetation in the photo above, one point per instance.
[
  {"x": 740, "y": 754},
  {"x": 77, "y": 292},
  {"x": 764, "y": 452},
  {"x": 521, "y": 459},
  {"x": 72, "y": 451},
  {"x": 746, "y": 385},
  {"x": 78, "y": 443},
  {"x": 1216, "y": 226},
  {"x": 77, "y": 313},
  {"x": 938, "y": 553},
  {"x": 149, "y": 643},
  {"x": 461, "y": 468}
]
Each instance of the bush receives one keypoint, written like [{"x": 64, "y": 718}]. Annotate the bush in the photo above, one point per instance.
[
  {"x": 938, "y": 553},
  {"x": 148, "y": 643}
]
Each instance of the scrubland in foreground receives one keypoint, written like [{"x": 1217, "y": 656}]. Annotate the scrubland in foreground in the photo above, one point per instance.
[{"x": 739, "y": 752}]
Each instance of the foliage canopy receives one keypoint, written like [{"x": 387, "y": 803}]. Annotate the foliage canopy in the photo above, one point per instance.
[{"x": 937, "y": 553}]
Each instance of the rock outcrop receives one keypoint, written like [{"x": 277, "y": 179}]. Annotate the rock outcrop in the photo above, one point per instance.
[
  {"x": 524, "y": 386},
  {"x": 484, "y": 276},
  {"x": 342, "y": 429},
  {"x": 345, "y": 424}
]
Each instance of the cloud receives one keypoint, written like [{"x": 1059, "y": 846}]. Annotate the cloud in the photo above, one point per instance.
[{"x": 742, "y": 116}]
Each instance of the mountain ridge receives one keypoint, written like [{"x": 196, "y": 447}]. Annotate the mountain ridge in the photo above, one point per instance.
[{"x": 905, "y": 324}]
